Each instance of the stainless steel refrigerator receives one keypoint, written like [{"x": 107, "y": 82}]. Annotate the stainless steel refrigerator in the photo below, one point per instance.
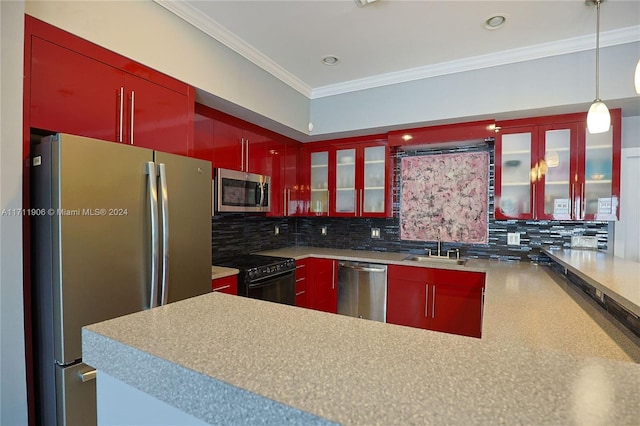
[{"x": 115, "y": 229}]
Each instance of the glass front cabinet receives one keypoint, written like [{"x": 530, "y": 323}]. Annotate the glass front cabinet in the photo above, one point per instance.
[
  {"x": 553, "y": 168},
  {"x": 349, "y": 180}
]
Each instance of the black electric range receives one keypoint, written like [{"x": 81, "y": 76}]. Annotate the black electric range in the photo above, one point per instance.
[{"x": 264, "y": 277}]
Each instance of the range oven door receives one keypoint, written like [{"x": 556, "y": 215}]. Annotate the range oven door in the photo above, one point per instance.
[
  {"x": 279, "y": 288},
  {"x": 241, "y": 192}
]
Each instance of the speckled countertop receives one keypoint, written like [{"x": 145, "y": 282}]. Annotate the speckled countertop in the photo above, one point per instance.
[
  {"x": 547, "y": 356},
  {"x": 617, "y": 277},
  {"x": 300, "y": 252}
]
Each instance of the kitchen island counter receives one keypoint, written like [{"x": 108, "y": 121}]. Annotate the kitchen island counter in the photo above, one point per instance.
[
  {"x": 231, "y": 360},
  {"x": 618, "y": 278}
]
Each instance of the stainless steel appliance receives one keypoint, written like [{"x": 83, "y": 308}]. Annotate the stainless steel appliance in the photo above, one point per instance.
[
  {"x": 362, "y": 290},
  {"x": 267, "y": 278},
  {"x": 115, "y": 229},
  {"x": 236, "y": 191}
]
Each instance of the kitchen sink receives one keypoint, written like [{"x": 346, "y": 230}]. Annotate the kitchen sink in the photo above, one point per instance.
[{"x": 433, "y": 259}]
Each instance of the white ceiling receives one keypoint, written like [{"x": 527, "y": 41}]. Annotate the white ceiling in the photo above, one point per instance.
[{"x": 392, "y": 41}]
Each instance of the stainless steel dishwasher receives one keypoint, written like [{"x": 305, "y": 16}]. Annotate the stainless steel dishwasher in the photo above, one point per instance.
[{"x": 362, "y": 290}]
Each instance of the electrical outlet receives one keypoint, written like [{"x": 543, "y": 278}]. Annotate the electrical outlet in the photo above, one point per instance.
[
  {"x": 513, "y": 238},
  {"x": 599, "y": 295},
  {"x": 375, "y": 232},
  {"x": 276, "y": 230},
  {"x": 323, "y": 230}
]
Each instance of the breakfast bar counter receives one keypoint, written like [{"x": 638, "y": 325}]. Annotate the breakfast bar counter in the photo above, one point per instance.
[{"x": 222, "y": 359}]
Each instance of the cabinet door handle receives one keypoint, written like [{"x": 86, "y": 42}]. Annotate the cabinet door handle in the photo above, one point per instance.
[
  {"x": 288, "y": 202},
  {"x": 433, "y": 302},
  {"x": 426, "y": 301},
  {"x": 221, "y": 287},
  {"x": 572, "y": 201},
  {"x": 299, "y": 293},
  {"x": 583, "y": 201},
  {"x": 246, "y": 160},
  {"x": 133, "y": 107},
  {"x": 121, "y": 113},
  {"x": 333, "y": 274},
  {"x": 284, "y": 201}
]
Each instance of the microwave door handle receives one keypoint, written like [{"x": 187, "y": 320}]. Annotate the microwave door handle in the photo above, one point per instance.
[
  {"x": 164, "y": 215},
  {"x": 262, "y": 194},
  {"x": 155, "y": 243}
]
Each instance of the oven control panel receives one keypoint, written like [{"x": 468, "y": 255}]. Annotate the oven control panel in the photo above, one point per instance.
[{"x": 269, "y": 270}]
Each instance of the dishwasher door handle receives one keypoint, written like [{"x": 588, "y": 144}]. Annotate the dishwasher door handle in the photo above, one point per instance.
[{"x": 362, "y": 268}]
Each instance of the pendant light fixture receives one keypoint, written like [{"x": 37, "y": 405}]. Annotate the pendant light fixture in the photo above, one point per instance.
[
  {"x": 636, "y": 79},
  {"x": 598, "y": 117}
]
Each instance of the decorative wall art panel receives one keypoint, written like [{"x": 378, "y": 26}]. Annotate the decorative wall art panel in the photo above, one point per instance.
[{"x": 445, "y": 197}]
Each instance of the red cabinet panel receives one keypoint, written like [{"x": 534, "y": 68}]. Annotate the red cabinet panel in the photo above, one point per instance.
[
  {"x": 324, "y": 287},
  {"x": 202, "y": 136},
  {"x": 302, "y": 283},
  {"x": 228, "y": 285},
  {"x": 158, "y": 118},
  {"x": 457, "y": 302},
  {"x": 228, "y": 151},
  {"x": 65, "y": 88},
  {"x": 78, "y": 87},
  {"x": 282, "y": 157},
  {"x": 436, "y": 299},
  {"x": 407, "y": 293}
]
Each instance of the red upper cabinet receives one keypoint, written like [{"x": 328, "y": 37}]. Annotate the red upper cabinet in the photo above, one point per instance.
[
  {"x": 202, "y": 135},
  {"x": 157, "y": 117},
  {"x": 80, "y": 88},
  {"x": 65, "y": 93},
  {"x": 237, "y": 148},
  {"x": 282, "y": 157},
  {"x": 319, "y": 176},
  {"x": 348, "y": 179},
  {"x": 552, "y": 168}
]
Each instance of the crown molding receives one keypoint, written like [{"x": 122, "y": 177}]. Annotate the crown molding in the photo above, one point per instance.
[
  {"x": 561, "y": 47},
  {"x": 545, "y": 50},
  {"x": 233, "y": 42}
]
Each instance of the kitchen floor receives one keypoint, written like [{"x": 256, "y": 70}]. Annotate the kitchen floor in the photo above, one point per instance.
[{"x": 532, "y": 306}]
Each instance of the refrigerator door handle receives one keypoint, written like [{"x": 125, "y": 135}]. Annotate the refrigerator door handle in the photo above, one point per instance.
[
  {"x": 164, "y": 216},
  {"x": 87, "y": 376},
  {"x": 155, "y": 242}
]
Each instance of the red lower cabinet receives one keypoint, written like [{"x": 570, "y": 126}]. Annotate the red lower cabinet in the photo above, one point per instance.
[
  {"x": 227, "y": 285},
  {"x": 436, "y": 299},
  {"x": 324, "y": 286},
  {"x": 457, "y": 300},
  {"x": 302, "y": 283},
  {"x": 407, "y": 293}
]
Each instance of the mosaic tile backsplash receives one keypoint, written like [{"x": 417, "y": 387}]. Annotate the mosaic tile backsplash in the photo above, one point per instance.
[{"x": 234, "y": 234}]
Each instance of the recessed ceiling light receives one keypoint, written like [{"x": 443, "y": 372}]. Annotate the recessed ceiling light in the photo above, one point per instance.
[
  {"x": 495, "y": 21},
  {"x": 330, "y": 60}
]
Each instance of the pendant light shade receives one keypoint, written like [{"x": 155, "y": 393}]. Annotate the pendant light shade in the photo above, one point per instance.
[
  {"x": 636, "y": 78},
  {"x": 598, "y": 118}
]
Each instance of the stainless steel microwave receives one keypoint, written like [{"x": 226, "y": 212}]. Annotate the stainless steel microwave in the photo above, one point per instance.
[{"x": 236, "y": 191}]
